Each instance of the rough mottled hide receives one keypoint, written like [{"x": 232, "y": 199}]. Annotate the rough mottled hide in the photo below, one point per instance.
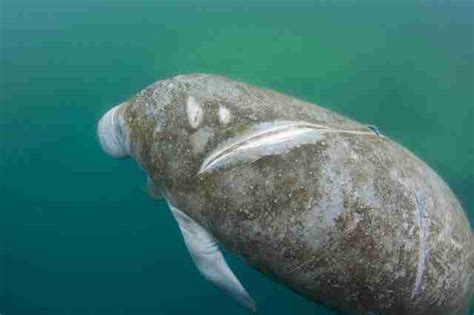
[{"x": 333, "y": 209}]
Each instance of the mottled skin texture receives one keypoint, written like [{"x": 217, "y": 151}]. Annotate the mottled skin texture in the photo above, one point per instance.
[{"x": 353, "y": 221}]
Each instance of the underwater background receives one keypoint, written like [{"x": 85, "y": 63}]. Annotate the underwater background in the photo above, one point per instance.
[{"x": 78, "y": 232}]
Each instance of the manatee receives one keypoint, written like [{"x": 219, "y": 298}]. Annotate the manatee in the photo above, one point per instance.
[{"x": 331, "y": 208}]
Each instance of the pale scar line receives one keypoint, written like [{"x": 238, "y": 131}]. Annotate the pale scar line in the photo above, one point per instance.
[{"x": 276, "y": 134}]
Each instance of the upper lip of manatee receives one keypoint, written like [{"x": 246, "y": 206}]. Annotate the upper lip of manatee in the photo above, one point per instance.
[{"x": 268, "y": 133}]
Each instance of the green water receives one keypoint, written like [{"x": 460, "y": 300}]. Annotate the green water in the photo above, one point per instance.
[{"x": 79, "y": 235}]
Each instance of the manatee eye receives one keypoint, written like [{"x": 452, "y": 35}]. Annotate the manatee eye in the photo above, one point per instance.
[
  {"x": 195, "y": 112},
  {"x": 225, "y": 115}
]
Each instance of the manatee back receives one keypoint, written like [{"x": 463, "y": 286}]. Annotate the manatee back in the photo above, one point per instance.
[
  {"x": 355, "y": 222},
  {"x": 350, "y": 219}
]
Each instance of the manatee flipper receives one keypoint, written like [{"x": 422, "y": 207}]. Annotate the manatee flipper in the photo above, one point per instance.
[
  {"x": 153, "y": 190},
  {"x": 208, "y": 258}
]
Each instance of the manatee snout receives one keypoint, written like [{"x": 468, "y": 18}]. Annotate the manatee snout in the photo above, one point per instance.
[{"x": 112, "y": 137}]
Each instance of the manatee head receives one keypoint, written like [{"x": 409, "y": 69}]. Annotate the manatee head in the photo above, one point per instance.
[{"x": 170, "y": 126}]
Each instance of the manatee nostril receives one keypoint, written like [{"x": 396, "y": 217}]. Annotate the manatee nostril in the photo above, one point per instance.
[{"x": 111, "y": 134}]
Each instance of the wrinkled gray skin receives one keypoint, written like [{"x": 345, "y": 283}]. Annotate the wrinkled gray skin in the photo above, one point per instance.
[{"x": 351, "y": 220}]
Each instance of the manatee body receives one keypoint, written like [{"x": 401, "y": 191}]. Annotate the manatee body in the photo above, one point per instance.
[{"x": 330, "y": 207}]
